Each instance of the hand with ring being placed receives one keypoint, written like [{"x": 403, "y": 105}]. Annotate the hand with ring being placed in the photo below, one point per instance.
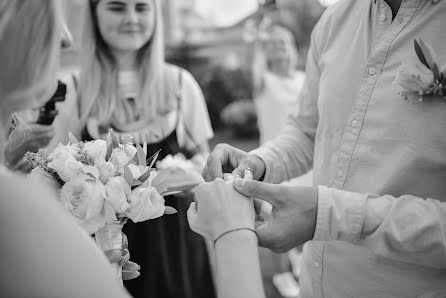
[{"x": 218, "y": 209}]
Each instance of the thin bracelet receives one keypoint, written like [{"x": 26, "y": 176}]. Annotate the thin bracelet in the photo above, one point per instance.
[{"x": 234, "y": 230}]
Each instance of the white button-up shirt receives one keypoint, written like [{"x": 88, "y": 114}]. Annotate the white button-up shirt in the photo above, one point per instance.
[{"x": 362, "y": 138}]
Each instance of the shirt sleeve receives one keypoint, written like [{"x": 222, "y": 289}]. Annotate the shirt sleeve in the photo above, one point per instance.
[
  {"x": 195, "y": 127},
  {"x": 407, "y": 228},
  {"x": 291, "y": 153}
]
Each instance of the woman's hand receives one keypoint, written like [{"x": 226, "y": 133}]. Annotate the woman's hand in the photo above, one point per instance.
[
  {"x": 33, "y": 138},
  {"x": 218, "y": 208},
  {"x": 130, "y": 270}
]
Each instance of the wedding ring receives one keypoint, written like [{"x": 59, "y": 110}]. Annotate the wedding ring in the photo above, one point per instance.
[
  {"x": 228, "y": 176},
  {"x": 248, "y": 174}
]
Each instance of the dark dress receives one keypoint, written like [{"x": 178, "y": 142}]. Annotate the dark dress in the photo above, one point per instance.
[{"x": 174, "y": 260}]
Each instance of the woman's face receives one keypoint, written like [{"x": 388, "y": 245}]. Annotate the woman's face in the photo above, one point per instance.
[{"x": 126, "y": 25}]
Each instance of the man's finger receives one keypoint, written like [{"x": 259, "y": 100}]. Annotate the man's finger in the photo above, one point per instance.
[
  {"x": 265, "y": 235},
  {"x": 260, "y": 190},
  {"x": 213, "y": 168}
]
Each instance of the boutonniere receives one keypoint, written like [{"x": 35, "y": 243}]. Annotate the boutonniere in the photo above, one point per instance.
[{"x": 423, "y": 76}]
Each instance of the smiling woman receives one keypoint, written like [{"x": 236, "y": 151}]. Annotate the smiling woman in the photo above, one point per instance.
[
  {"x": 126, "y": 85},
  {"x": 126, "y": 27}
]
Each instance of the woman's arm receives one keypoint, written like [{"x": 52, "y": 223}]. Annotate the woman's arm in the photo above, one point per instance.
[
  {"x": 226, "y": 218},
  {"x": 238, "y": 267}
]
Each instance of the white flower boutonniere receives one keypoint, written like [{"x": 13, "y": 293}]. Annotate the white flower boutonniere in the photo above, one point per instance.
[{"x": 423, "y": 77}]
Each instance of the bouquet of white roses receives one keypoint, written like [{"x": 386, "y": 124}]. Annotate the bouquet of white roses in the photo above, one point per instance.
[{"x": 104, "y": 183}]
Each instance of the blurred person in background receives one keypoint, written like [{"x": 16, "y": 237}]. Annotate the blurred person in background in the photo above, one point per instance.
[
  {"x": 126, "y": 85},
  {"x": 277, "y": 82},
  {"x": 277, "y": 86}
]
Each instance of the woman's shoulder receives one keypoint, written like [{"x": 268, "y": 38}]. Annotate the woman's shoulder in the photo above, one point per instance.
[{"x": 178, "y": 74}]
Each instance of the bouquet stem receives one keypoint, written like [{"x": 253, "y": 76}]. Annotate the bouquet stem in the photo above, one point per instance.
[{"x": 110, "y": 238}]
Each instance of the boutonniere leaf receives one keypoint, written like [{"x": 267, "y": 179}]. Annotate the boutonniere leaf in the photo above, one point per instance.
[
  {"x": 427, "y": 56},
  {"x": 423, "y": 76}
]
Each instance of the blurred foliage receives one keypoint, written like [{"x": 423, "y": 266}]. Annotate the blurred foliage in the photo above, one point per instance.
[{"x": 241, "y": 117}]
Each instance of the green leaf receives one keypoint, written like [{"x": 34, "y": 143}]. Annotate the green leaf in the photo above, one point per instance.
[
  {"x": 180, "y": 188},
  {"x": 128, "y": 176},
  {"x": 114, "y": 139},
  {"x": 420, "y": 54},
  {"x": 109, "y": 152},
  {"x": 430, "y": 57},
  {"x": 161, "y": 181},
  {"x": 136, "y": 183},
  {"x": 141, "y": 156},
  {"x": 145, "y": 176},
  {"x": 108, "y": 139},
  {"x": 72, "y": 138},
  {"x": 153, "y": 159},
  {"x": 170, "y": 210}
]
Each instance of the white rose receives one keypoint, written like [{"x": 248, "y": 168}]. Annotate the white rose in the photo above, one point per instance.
[
  {"x": 63, "y": 161},
  {"x": 145, "y": 204},
  {"x": 130, "y": 150},
  {"x": 120, "y": 159},
  {"x": 84, "y": 198},
  {"x": 107, "y": 170},
  {"x": 118, "y": 190},
  {"x": 91, "y": 171},
  {"x": 414, "y": 76},
  {"x": 96, "y": 150}
]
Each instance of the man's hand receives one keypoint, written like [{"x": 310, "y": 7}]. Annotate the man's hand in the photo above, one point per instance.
[
  {"x": 33, "y": 138},
  {"x": 293, "y": 216},
  {"x": 227, "y": 159}
]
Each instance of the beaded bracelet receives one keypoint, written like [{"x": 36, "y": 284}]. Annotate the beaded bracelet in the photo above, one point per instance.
[{"x": 233, "y": 230}]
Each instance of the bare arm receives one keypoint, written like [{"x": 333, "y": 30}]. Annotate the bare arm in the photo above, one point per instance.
[{"x": 238, "y": 267}]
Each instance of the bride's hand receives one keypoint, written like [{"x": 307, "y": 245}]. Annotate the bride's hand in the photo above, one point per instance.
[
  {"x": 130, "y": 270},
  {"x": 218, "y": 208}
]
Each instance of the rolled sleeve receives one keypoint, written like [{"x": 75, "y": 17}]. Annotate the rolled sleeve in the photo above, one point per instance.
[
  {"x": 340, "y": 215},
  {"x": 407, "y": 228}
]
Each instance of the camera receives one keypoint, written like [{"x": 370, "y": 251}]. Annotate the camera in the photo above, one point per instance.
[{"x": 48, "y": 112}]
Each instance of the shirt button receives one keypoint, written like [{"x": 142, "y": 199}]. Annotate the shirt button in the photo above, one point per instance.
[
  {"x": 372, "y": 71},
  {"x": 340, "y": 173},
  {"x": 383, "y": 18},
  {"x": 355, "y": 123},
  {"x": 316, "y": 264}
]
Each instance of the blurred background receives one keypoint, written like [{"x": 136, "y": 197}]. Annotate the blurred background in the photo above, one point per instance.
[{"x": 213, "y": 39}]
